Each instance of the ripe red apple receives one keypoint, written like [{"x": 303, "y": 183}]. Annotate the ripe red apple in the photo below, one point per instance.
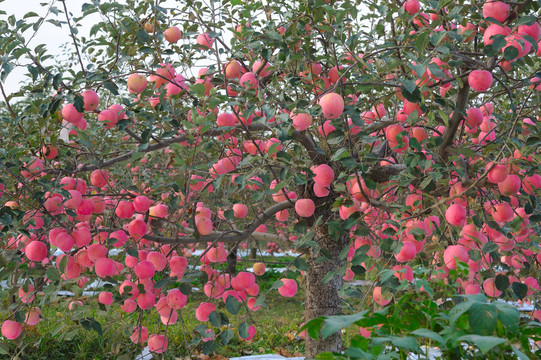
[
  {"x": 305, "y": 207},
  {"x": 240, "y": 211},
  {"x": 412, "y": 7},
  {"x": 259, "y": 268},
  {"x": 70, "y": 114},
  {"x": 480, "y": 80},
  {"x": 204, "y": 41},
  {"x": 533, "y": 30},
  {"x": 137, "y": 83},
  {"x": 469, "y": 26},
  {"x": 332, "y": 105},
  {"x": 454, "y": 252},
  {"x": 289, "y": 289},
  {"x": 232, "y": 69},
  {"x": 497, "y": 173},
  {"x": 456, "y": 215},
  {"x": 172, "y": 34},
  {"x": 176, "y": 299},
  {"x": 324, "y": 175},
  {"x": 157, "y": 343},
  {"x": 301, "y": 121},
  {"x": 203, "y": 311},
  {"x": 249, "y": 80},
  {"x": 144, "y": 269},
  {"x": 380, "y": 298},
  {"x": 99, "y": 178},
  {"x": 496, "y": 9},
  {"x": 36, "y": 251},
  {"x": 11, "y": 329},
  {"x": 91, "y": 100}
]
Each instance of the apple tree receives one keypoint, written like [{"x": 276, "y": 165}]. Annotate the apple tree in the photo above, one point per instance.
[{"x": 369, "y": 137}]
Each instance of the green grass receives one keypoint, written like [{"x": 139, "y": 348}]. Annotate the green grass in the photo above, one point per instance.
[{"x": 60, "y": 334}]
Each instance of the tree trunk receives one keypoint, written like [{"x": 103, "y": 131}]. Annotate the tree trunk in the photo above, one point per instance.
[
  {"x": 232, "y": 261},
  {"x": 322, "y": 299}
]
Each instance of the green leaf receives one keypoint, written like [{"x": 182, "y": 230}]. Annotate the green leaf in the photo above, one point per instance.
[
  {"x": 4, "y": 348},
  {"x": 164, "y": 282},
  {"x": 510, "y": 53},
  {"x": 484, "y": 343},
  {"x": 458, "y": 310},
  {"x": 409, "y": 85},
  {"x": 79, "y": 104},
  {"x": 243, "y": 330},
  {"x": 53, "y": 274},
  {"x": 483, "y": 318},
  {"x": 92, "y": 324},
  {"x": 232, "y": 305},
  {"x": 333, "y": 324},
  {"x": 414, "y": 96},
  {"x": 335, "y": 230},
  {"x": 226, "y": 336},
  {"x": 198, "y": 89},
  {"x": 520, "y": 290},
  {"x": 430, "y": 335},
  {"x": 214, "y": 319},
  {"x": 490, "y": 247},
  {"x": 340, "y": 153},
  {"x": 313, "y": 327},
  {"x": 407, "y": 343},
  {"x": 111, "y": 86},
  {"x": 209, "y": 347},
  {"x": 526, "y": 20},
  {"x": 520, "y": 355},
  {"x": 418, "y": 68},
  {"x": 502, "y": 282},
  {"x": 300, "y": 264},
  {"x": 508, "y": 315}
]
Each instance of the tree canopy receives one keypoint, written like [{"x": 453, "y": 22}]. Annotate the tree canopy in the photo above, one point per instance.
[{"x": 389, "y": 141}]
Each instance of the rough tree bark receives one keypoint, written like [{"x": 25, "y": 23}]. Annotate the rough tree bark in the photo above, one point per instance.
[{"x": 322, "y": 299}]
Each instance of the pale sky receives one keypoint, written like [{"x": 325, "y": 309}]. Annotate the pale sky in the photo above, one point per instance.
[{"x": 50, "y": 35}]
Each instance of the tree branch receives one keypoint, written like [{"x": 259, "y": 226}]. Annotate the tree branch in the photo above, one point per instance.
[
  {"x": 73, "y": 37},
  {"x": 232, "y": 236},
  {"x": 454, "y": 121}
]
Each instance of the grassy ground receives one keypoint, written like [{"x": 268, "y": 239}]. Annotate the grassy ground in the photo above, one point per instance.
[{"x": 61, "y": 334}]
